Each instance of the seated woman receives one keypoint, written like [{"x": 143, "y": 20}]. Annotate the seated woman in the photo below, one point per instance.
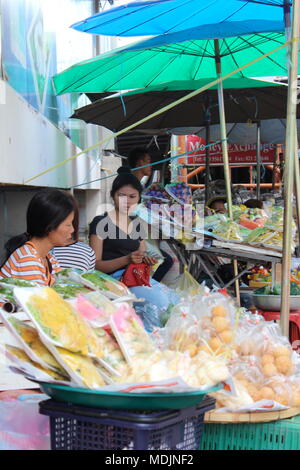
[
  {"x": 118, "y": 241},
  {"x": 75, "y": 254},
  {"x": 50, "y": 217}
]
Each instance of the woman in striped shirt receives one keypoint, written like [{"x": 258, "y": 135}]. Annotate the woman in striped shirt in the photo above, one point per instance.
[
  {"x": 50, "y": 217},
  {"x": 75, "y": 255}
]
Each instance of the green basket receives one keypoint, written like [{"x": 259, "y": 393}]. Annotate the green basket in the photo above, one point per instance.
[{"x": 276, "y": 435}]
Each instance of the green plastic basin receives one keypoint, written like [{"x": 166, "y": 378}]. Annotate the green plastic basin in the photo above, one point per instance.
[{"x": 125, "y": 401}]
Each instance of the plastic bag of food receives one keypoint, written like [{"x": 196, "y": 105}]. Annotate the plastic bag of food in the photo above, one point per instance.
[
  {"x": 186, "y": 284},
  {"x": 233, "y": 401},
  {"x": 29, "y": 339},
  {"x": 58, "y": 322},
  {"x": 22, "y": 427},
  {"x": 278, "y": 389},
  {"x": 252, "y": 218},
  {"x": 182, "y": 330},
  {"x": 228, "y": 230},
  {"x": 70, "y": 290},
  {"x": 130, "y": 334},
  {"x": 95, "y": 308},
  {"x": 110, "y": 287},
  {"x": 216, "y": 313},
  {"x": 82, "y": 370},
  {"x": 113, "y": 359},
  {"x": 32, "y": 369}
]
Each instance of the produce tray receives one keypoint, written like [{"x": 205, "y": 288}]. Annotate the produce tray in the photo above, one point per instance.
[
  {"x": 121, "y": 401},
  {"x": 257, "y": 417}
]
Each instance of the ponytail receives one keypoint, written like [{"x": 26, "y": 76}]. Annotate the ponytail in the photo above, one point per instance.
[{"x": 13, "y": 244}]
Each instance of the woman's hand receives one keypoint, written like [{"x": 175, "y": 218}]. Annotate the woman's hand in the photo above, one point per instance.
[
  {"x": 149, "y": 260},
  {"x": 136, "y": 257}
]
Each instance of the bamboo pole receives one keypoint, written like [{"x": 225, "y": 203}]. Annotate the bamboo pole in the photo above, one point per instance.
[
  {"x": 288, "y": 172},
  {"x": 225, "y": 154},
  {"x": 297, "y": 187},
  {"x": 258, "y": 160}
]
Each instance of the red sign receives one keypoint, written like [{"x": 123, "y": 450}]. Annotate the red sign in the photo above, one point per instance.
[{"x": 238, "y": 153}]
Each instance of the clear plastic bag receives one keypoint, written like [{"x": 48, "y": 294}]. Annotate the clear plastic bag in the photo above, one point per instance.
[
  {"x": 186, "y": 285},
  {"x": 22, "y": 427}
]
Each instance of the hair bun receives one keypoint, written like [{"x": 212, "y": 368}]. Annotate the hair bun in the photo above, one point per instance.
[{"x": 124, "y": 170}]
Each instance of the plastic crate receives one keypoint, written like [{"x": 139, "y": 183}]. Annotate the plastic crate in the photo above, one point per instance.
[
  {"x": 76, "y": 427},
  {"x": 276, "y": 435}
]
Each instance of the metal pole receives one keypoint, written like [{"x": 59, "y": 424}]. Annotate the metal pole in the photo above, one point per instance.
[
  {"x": 258, "y": 160},
  {"x": 289, "y": 167},
  {"x": 225, "y": 154}
]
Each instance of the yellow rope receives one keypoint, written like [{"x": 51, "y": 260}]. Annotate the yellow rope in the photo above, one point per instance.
[{"x": 162, "y": 110}]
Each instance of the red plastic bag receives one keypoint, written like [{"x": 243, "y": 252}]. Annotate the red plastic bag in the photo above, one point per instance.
[{"x": 136, "y": 275}]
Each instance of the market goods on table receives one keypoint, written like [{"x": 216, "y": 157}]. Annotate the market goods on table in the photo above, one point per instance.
[
  {"x": 96, "y": 308},
  {"x": 105, "y": 283},
  {"x": 253, "y": 227},
  {"x": 31, "y": 368},
  {"x": 206, "y": 341},
  {"x": 170, "y": 209},
  {"x": 30, "y": 342},
  {"x": 57, "y": 321},
  {"x": 68, "y": 291}
]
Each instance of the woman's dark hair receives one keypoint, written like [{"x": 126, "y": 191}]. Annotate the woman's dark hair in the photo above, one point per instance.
[
  {"x": 136, "y": 154},
  {"x": 46, "y": 211},
  {"x": 125, "y": 178},
  {"x": 254, "y": 204},
  {"x": 75, "y": 234}
]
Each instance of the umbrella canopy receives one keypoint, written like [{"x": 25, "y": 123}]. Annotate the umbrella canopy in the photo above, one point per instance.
[
  {"x": 241, "y": 105},
  {"x": 124, "y": 68},
  {"x": 230, "y": 17},
  {"x": 272, "y": 131}
]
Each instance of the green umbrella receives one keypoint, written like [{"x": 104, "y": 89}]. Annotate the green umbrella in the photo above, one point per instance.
[{"x": 124, "y": 69}]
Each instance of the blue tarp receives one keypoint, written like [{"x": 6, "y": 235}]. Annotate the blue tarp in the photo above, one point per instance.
[{"x": 237, "y": 17}]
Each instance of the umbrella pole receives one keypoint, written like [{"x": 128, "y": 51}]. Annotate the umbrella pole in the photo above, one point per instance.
[
  {"x": 258, "y": 160},
  {"x": 225, "y": 154},
  {"x": 289, "y": 168}
]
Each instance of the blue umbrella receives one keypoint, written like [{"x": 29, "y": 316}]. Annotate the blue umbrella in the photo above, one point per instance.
[{"x": 227, "y": 17}]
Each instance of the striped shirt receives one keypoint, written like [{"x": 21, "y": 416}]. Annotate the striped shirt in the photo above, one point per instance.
[
  {"x": 25, "y": 263},
  {"x": 78, "y": 255}
]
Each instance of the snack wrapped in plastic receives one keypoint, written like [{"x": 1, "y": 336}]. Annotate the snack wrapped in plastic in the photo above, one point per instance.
[
  {"x": 31, "y": 343},
  {"x": 95, "y": 308},
  {"x": 20, "y": 358},
  {"x": 201, "y": 372},
  {"x": 216, "y": 313},
  {"x": 10, "y": 281},
  {"x": 252, "y": 218},
  {"x": 81, "y": 369},
  {"x": 112, "y": 358},
  {"x": 182, "y": 330},
  {"x": 58, "y": 321},
  {"x": 130, "y": 334},
  {"x": 186, "y": 285},
  {"x": 228, "y": 230},
  {"x": 70, "y": 290},
  {"x": 107, "y": 284},
  {"x": 240, "y": 398}
]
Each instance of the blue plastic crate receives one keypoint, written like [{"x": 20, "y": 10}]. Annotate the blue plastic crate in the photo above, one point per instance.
[{"x": 76, "y": 427}]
